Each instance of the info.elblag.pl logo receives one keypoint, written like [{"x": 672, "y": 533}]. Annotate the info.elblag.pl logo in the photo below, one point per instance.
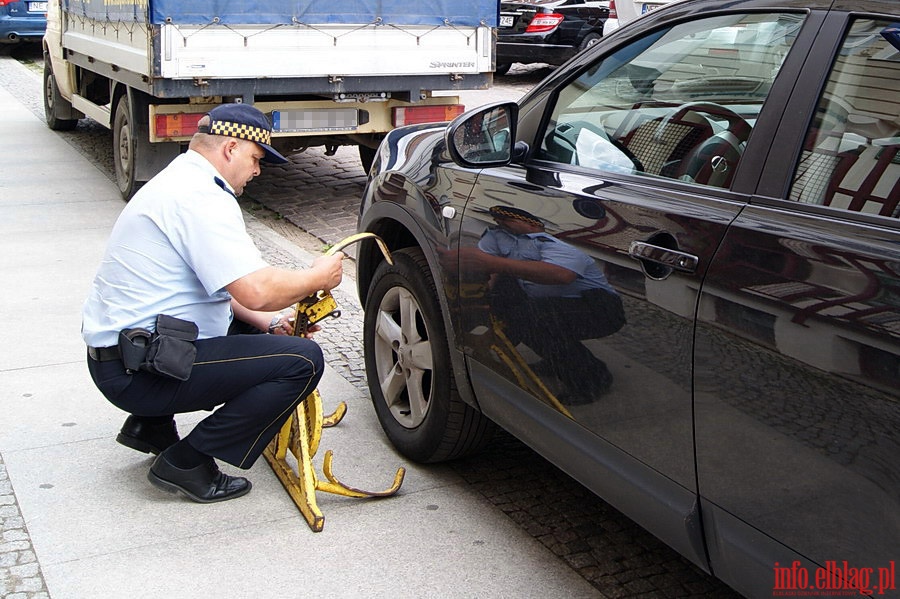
[{"x": 836, "y": 579}]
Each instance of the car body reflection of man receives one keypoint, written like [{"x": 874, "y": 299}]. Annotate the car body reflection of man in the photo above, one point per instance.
[{"x": 551, "y": 296}]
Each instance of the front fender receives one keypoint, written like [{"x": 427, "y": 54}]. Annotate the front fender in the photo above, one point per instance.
[{"x": 403, "y": 203}]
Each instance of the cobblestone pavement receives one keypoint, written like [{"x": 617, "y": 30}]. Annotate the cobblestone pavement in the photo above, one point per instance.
[
  {"x": 20, "y": 573},
  {"x": 313, "y": 201}
]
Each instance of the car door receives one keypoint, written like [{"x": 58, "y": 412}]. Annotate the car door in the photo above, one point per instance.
[
  {"x": 798, "y": 345},
  {"x": 635, "y": 173}
]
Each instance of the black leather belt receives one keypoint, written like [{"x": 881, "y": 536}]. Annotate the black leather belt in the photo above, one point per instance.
[{"x": 104, "y": 354}]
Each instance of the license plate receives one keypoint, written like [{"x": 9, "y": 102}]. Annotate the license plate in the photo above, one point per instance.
[
  {"x": 37, "y": 7},
  {"x": 507, "y": 21},
  {"x": 315, "y": 119},
  {"x": 648, "y": 7}
]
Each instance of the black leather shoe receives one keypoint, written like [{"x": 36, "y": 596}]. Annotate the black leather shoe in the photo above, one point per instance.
[
  {"x": 203, "y": 484},
  {"x": 137, "y": 434}
]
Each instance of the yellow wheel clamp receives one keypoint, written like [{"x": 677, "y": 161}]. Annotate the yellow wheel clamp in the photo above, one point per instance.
[{"x": 302, "y": 432}]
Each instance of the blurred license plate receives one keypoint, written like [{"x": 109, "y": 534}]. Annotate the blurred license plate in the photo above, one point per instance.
[
  {"x": 37, "y": 7},
  {"x": 506, "y": 21},
  {"x": 315, "y": 119},
  {"x": 648, "y": 7}
]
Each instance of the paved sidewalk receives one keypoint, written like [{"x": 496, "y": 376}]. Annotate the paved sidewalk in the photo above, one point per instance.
[{"x": 80, "y": 520}]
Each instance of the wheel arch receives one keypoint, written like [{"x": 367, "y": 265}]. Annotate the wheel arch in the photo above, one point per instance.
[
  {"x": 149, "y": 158},
  {"x": 117, "y": 90},
  {"x": 399, "y": 229}
]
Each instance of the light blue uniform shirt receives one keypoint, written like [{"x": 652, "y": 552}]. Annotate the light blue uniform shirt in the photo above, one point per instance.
[
  {"x": 173, "y": 249},
  {"x": 546, "y": 248}
]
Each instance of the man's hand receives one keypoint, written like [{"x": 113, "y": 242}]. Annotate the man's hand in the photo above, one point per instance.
[
  {"x": 282, "y": 323},
  {"x": 467, "y": 259},
  {"x": 331, "y": 269}
]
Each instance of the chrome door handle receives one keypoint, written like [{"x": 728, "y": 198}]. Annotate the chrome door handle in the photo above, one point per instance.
[{"x": 673, "y": 259}]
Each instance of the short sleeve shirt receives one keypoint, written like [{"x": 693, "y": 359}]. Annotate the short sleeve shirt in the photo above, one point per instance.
[
  {"x": 546, "y": 248},
  {"x": 174, "y": 248}
]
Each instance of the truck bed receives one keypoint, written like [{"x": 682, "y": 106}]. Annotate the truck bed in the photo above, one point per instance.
[{"x": 336, "y": 46}]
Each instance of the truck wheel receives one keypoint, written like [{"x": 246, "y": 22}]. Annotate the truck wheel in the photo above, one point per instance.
[
  {"x": 367, "y": 157},
  {"x": 124, "y": 149},
  {"x": 408, "y": 366},
  {"x": 54, "y": 103}
]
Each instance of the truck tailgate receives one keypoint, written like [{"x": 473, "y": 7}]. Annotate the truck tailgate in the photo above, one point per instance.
[{"x": 285, "y": 38}]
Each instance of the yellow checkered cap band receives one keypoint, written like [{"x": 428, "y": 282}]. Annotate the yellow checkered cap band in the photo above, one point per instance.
[
  {"x": 515, "y": 214},
  {"x": 241, "y": 131}
]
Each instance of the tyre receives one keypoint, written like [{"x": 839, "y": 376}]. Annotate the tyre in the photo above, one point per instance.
[
  {"x": 589, "y": 40},
  {"x": 408, "y": 366},
  {"x": 55, "y": 104},
  {"x": 124, "y": 148}
]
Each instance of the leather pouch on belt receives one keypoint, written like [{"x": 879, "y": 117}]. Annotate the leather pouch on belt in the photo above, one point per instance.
[{"x": 172, "y": 351}]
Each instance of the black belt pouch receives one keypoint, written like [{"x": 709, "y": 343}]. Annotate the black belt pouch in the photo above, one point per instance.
[
  {"x": 172, "y": 349},
  {"x": 133, "y": 347}
]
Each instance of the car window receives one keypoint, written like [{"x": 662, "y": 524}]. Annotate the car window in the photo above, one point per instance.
[
  {"x": 679, "y": 103},
  {"x": 850, "y": 156}
]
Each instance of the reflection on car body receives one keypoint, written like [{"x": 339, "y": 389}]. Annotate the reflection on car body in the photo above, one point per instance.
[
  {"x": 734, "y": 176},
  {"x": 528, "y": 277}
]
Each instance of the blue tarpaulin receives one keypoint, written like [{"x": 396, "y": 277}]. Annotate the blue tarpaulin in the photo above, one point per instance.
[{"x": 266, "y": 12}]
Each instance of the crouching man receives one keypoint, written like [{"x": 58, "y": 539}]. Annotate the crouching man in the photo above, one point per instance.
[{"x": 179, "y": 273}]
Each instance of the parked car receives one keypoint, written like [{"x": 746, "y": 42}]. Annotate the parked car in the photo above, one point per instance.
[
  {"x": 22, "y": 21},
  {"x": 625, "y": 11},
  {"x": 548, "y": 31},
  {"x": 672, "y": 269}
]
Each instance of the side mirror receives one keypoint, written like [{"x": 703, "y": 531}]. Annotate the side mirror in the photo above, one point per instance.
[{"x": 484, "y": 137}]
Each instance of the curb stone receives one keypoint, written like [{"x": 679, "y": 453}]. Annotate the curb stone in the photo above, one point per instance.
[{"x": 20, "y": 572}]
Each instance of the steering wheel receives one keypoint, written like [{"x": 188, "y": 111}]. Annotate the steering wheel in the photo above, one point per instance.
[
  {"x": 565, "y": 137},
  {"x": 714, "y": 160},
  {"x": 737, "y": 125}
]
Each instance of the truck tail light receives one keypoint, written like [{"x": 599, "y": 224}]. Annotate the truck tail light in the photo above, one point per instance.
[
  {"x": 613, "y": 14},
  {"x": 543, "y": 23},
  {"x": 413, "y": 115},
  {"x": 181, "y": 124}
]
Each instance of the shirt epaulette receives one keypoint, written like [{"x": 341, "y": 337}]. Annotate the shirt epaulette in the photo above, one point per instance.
[{"x": 222, "y": 184}]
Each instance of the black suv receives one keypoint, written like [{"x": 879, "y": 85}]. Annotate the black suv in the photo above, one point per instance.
[
  {"x": 548, "y": 31},
  {"x": 672, "y": 269}
]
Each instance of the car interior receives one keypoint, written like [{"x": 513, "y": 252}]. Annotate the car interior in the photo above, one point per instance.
[
  {"x": 689, "y": 115},
  {"x": 850, "y": 158},
  {"x": 679, "y": 105}
]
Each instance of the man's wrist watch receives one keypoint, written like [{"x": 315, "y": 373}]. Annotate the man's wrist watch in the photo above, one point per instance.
[{"x": 274, "y": 324}]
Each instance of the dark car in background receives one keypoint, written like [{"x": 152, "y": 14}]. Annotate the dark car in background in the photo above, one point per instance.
[
  {"x": 547, "y": 31},
  {"x": 673, "y": 270},
  {"x": 22, "y": 21}
]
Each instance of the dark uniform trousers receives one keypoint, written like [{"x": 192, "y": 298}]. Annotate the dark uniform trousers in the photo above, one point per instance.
[
  {"x": 254, "y": 380},
  {"x": 555, "y": 326}
]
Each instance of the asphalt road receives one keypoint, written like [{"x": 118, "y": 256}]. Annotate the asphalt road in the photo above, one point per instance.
[{"x": 313, "y": 201}]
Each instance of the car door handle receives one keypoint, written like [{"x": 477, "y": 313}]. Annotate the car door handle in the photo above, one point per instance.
[{"x": 674, "y": 259}]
